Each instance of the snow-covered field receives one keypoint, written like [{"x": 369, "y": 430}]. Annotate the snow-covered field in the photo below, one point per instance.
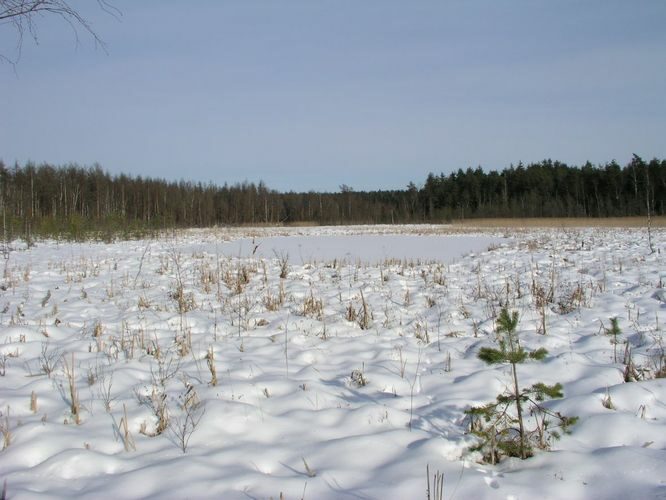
[{"x": 344, "y": 378}]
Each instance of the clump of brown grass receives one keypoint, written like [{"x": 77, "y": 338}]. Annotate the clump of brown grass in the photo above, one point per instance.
[
  {"x": 559, "y": 222},
  {"x": 273, "y": 302},
  {"x": 237, "y": 279},
  {"x": 184, "y": 300},
  {"x": 313, "y": 307},
  {"x": 210, "y": 361},
  {"x": 33, "y": 402},
  {"x": 364, "y": 316}
]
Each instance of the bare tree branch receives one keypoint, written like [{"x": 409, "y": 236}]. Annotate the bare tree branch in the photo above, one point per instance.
[{"x": 22, "y": 15}]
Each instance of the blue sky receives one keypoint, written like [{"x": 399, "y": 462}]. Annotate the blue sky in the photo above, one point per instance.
[{"x": 312, "y": 94}]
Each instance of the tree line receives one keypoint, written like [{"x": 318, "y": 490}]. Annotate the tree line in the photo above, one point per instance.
[
  {"x": 549, "y": 189},
  {"x": 76, "y": 201}
]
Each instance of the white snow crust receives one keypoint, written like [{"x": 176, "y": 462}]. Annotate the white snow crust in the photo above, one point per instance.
[{"x": 136, "y": 319}]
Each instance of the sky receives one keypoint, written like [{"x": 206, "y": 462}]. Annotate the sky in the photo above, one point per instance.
[{"x": 313, "y": 94}]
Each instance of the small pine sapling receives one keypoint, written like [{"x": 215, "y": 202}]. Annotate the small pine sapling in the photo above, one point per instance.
[
  {"x": 494, "y": 422},
  {"x": 614, "y": 331}
]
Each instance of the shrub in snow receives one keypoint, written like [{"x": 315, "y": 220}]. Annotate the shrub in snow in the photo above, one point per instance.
[
  {"x": 614, "y": 331},
  {"x": 501, "y": 425},
  {"x": 358, "y": 378}
]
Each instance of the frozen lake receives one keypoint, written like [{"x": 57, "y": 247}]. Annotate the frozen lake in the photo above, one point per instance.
[{"x": 370, "y": 248}]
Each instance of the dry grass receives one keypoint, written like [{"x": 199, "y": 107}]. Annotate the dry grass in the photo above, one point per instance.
[
  {"x": 297, "y": 224},
  {"x": 210, "y": 361},
  {"x": 313, "y": 307},
  {"x": 128, "y": 440},
  {"x": 5, "y": 432},
  {"x": 75, "y": 405},
  {"x": 548, "y": 222}
]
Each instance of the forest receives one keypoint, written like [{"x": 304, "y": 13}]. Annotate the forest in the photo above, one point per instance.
[{"x": 76, "y": 202}]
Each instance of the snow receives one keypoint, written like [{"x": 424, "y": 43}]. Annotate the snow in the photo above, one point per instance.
[
  {"x": 136, "y": 320},
  {"x": 357, "y": 248}
]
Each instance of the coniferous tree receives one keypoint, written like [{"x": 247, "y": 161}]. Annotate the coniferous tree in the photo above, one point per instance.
[{"x": 494, "y": 423}]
